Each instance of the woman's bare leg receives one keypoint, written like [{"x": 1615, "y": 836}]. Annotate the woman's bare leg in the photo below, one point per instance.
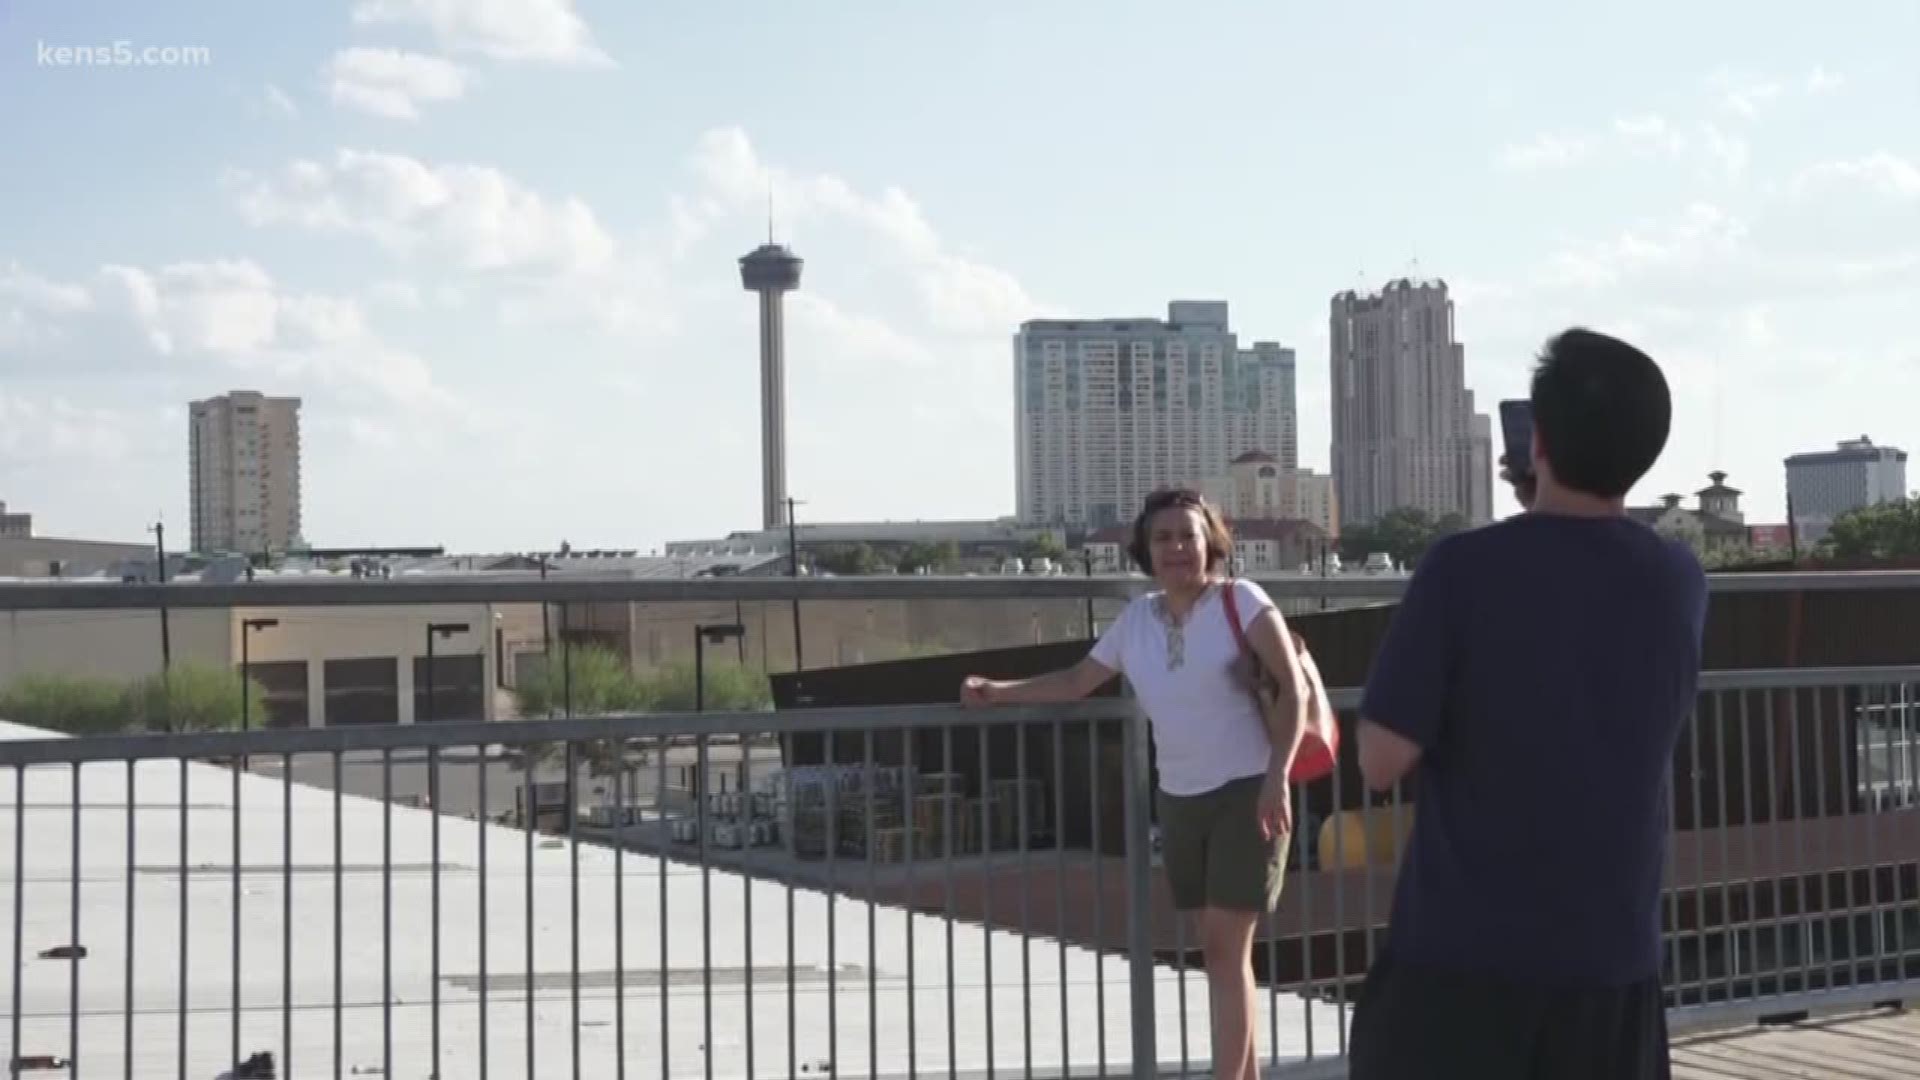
[{"x": 1226, "y": 942}]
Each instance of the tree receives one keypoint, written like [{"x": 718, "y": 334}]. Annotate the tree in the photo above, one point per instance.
[
  {"x": 929, "y": 557},
  {"x": 848, "y": 560},
  {"x": 730, "y": 688},
  {"x": 1883, "y": 532},
  {"x": 1043, "y": 546},
  {"x": 1404, "y": 534}
]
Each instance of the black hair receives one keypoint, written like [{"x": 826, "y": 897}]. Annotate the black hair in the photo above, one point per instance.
[
  {"x": 1214, "y": 530},
  {"x": 1602, "y": 410}
]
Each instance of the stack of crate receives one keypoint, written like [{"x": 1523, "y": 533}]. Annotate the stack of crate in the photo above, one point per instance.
[
  {"x": 1004, "y": 813},
  {"x": 937, "y": 798}
]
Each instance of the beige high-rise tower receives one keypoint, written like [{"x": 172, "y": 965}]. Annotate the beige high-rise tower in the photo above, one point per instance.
[
  {"x": 1405, "y": 433},
  {"x": 244, "y": 459}
]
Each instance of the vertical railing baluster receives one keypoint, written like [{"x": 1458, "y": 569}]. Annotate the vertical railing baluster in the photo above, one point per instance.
[
  {"x": 790, "y": 817},
  {"x": 1304, "y": 889},
  {"x": 1699, "y": 858},
  {"x": 1805, "y": 929},
  {"x": 133, "y": 801},
  {"x": 20, "y": 908},
  {"x": 744, "y": 746},
  {"x": 1023, "y": 825},
  {"x": 1820, "y": 728},
  {"x": 233, "y": 1033},
  {"x": 986, "y": 893},
  {"x": 1339, "y": 912},
  {"x": 1753, "y": 846},
  {"x": 910, "y": 822},
  {"x": 433, "y": 902},
  {"x": 869, "y": 779},
  {"x": 660, "y": 865},
  {"x": 286, "y": 913},
  {"x": 482, "y": 930},
  {"x": 703, "y": 772},
  {"x": 833, "y": 904},
  {"x": 339, "y": 923},
  {"x": 1060, "y": 885},
  {"x": 1099, "y": 899},
  {"x": 386, "y": 910},
  {"x": 1869, "y": 801},
  {"x": 1775, "y": 825},
  {"x": 620, "y": 798},
  {"x": 948, "y": 848},
  {"x": 73, "y": 939},
  {"x": 573, "y": 905},
  {"x": 1136, "y": 779},
  {"x": 529, "y": 819},
  {"x": 1729, "y": 931},
  {"x": 184, "y": 958}
]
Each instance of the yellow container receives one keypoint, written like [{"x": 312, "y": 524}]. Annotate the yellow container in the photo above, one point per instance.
[{"x": 1352, "y": 839}]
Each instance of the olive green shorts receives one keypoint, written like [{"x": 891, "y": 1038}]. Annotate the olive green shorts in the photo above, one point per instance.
[{"x": 1214, "y": 853}]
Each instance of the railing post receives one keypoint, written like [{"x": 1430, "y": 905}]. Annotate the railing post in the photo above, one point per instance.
[{"x": 1136, "y": 778}]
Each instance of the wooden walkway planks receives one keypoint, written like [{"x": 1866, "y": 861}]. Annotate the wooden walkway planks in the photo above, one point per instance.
[{"x": 1879, "y": 1045}]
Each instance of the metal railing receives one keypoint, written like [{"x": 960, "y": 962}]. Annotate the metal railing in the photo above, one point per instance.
[{"x": 851, "y": 892}]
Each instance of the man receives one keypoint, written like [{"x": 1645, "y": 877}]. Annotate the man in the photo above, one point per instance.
[{"x": 1536, "y": 679}]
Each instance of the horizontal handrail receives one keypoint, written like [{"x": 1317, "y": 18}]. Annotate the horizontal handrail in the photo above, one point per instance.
[
  {"x": 382, "y": 737},
  {"x": 519, "y": 588},
  {"x": 146, "y": 746}
]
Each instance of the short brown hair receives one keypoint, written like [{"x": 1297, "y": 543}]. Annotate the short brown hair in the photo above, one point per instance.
[{"x": 1212, "y": 526}]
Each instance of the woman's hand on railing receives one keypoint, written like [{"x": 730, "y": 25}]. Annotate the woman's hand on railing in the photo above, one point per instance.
[{"x": 978, "y": 692}]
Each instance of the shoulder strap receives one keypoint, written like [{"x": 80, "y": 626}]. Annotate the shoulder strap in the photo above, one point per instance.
[{"x": 1233, "y": 617}]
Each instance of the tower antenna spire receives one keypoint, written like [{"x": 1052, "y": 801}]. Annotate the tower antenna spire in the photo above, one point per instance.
[{"x": 769, "y": 209}]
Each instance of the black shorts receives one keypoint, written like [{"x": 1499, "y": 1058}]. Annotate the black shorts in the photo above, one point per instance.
[{"x": 1424, "y": 1024}]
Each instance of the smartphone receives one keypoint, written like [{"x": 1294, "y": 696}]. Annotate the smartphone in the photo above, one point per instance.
[{"x": 1516, "y": 422}]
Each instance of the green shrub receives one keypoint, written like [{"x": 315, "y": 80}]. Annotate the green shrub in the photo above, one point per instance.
[
  {"x": 191, "y": 697},
  {"x": 71, "y": 704},
  {"x": 730, "y": 688},
  {"x": 601, "y": 684},
  {"x": 195, "y": 697}
]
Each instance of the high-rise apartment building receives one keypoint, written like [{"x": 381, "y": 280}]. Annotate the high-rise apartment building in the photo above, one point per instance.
[
  {"x": 1824, "y": 484},
  {"x": 244, "y": 456},
  {"x": 1405, "y": 433},
  {"x": 1107, "y": 410}
]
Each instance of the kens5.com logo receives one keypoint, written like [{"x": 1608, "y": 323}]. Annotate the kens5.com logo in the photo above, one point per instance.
[{"x": 122, "y": 54}]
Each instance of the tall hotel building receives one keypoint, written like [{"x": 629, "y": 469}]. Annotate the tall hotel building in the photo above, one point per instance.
[
  {"x": 1405, "y": 433},
  {"x": 244, "y": 457},
  {"x": 1107, "y": 410}
]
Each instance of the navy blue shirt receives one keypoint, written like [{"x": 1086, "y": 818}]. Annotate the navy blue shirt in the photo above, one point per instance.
[{"x": 1545, "y": 665}]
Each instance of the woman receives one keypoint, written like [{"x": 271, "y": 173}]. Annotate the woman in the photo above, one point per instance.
[{"x": 1224, "y": 810}]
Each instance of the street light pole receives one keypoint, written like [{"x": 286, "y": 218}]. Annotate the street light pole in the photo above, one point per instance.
[
  {"x": 166, "y": 624},
  {"x": 793, "y": 571}
]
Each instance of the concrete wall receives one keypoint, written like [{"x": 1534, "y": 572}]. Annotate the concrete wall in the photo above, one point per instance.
[{"x": 121, "y": 645}]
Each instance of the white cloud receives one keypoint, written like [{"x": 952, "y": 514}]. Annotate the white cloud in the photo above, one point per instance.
[
  {"x": 537, "y": 31},
  {"x": 1651, "y": 132},
  {"x": 1742, "y": 95},
  {"x": 475, "y": 214},
  {"x": 1545, "y": 152},
  {"x": 391, "y": 83},
  {"x": 958, "y": 293},
  {"x": 276, "y": 100},
  {"x": 1881, "y": 172},
  {"x": 44, "y": 430},
  {"x": 1821, "y": 81}
]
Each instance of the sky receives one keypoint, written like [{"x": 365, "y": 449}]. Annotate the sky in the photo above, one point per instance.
[{"x": 491, "y": 244}]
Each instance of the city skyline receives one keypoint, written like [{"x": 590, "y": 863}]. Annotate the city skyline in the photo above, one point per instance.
[{"x": 514, "y": 311}]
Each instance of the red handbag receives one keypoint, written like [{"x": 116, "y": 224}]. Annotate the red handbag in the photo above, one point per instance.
[{"x": 1319, "y": 749}]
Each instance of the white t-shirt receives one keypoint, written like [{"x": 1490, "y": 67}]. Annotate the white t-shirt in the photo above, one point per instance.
[{"x": 1207, "y": 731}]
